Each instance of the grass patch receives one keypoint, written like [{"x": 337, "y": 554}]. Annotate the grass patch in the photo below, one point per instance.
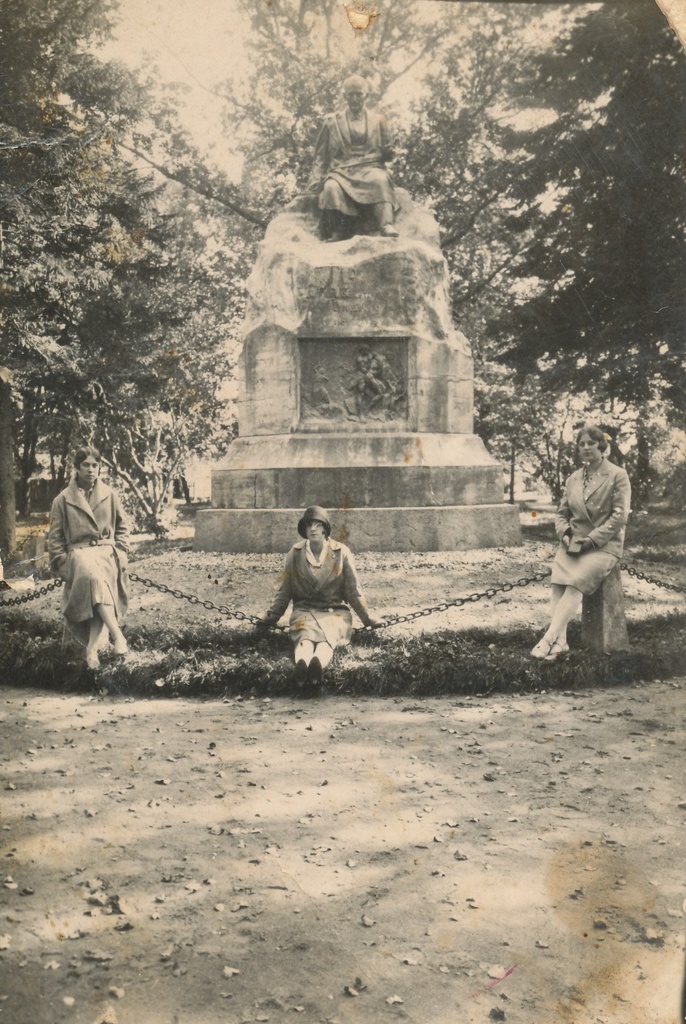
[{"x": 210, "y": 661}]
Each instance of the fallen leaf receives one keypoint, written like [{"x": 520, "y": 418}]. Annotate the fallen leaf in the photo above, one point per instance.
[
  {"x": 229, "y": 972},
  {"x": 460, "y": 856},
  {"x": 541, "y": 945},
  {"x": 367, "y": 921},
  {"x": 391, "y": 1000},
  {"x": 68, "y": 1001},
  {"x": 163, "y": 782}
]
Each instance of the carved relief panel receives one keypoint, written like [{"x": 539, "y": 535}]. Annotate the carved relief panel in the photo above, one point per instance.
[{"x": 353, "y": 383}]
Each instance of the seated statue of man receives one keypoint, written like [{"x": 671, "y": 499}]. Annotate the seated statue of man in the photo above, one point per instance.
[{"x": 349, "y": 170}]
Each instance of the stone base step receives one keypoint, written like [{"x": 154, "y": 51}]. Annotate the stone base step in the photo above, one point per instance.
[{"x": 446, "y": 528}]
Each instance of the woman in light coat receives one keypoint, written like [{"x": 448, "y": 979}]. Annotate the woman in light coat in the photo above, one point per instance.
[
  {"x": 590, "y": 524},
  {"x": 320, "y": 579},
  {"x": 87, "y": 544}
]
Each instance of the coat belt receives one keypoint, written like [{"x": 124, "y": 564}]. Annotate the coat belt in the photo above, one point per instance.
[{"x": 100, "y": 542}]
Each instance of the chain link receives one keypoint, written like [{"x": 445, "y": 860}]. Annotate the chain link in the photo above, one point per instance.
[
  {"x": 389, "y": 620},
  {"x": 192, "y": 599},
  {"x": 32, "y": 594},
  {"x": 394, "y": 620},
  {"x": 651, "y": 579}
]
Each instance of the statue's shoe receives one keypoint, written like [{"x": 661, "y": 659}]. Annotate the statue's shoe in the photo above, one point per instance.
[{"x": 388, "y": 231}]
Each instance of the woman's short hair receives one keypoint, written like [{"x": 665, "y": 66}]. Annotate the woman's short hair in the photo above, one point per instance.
[
  {"x": 596, "y": 434},
  {"x": 87, "y": 452}
]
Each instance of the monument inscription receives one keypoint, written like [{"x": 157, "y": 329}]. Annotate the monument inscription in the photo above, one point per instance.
[{"x": 347, "y": 295}]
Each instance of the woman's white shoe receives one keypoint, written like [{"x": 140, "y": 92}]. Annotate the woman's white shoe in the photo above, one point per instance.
[
  {"x": 542, "y": 649},
  {"x": 556, "y": 650}
]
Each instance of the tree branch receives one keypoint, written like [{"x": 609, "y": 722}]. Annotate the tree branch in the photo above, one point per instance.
[
  {"x": 471, "y": 293},
  {"x": 207, "y": 193},
  {"x": 458, "y": 233}
]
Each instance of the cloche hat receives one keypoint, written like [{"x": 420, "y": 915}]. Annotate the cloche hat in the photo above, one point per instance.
[{"x": 314, "y": 512}]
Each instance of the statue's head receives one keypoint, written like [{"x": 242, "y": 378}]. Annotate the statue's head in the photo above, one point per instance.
[{"x": 355, "y": 90}]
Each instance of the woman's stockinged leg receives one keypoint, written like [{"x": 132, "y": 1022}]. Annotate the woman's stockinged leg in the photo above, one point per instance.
[
  {"x": 556, "y": 592},
  {"x": 566, "y": 607},
  {"x": 108, "y": 616},
  {"x": 324, "y": 652},
  {"x": 304, "y": 649},
  {"x": 95, "y": 631}
]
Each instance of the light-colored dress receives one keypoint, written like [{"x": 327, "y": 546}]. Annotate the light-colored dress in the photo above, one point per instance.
[
  {"x": 321, "y": 596},
  {"x": 599, "y": 512},
  {"x": 87, "y": 543}
]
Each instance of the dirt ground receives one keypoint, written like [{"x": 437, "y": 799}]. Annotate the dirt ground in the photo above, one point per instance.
[{"x": 439, "y": 861}]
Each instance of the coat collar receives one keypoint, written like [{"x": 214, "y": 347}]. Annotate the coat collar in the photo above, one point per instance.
[
  {"x": 317, "y": 580},
  {"x": 76, "y": 497},
  {"x": 334, "y": 545}
]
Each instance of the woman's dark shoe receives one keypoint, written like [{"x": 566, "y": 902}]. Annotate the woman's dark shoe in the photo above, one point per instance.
[
  {"x": 315, "y": 671},
  {"x": 301, "y": 673}
]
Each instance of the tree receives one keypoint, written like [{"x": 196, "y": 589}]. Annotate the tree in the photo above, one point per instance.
[
  {"x": 610, "y": 264},
  {"x": 43, "y": 59},
  {"x": 116, "y": 311}
]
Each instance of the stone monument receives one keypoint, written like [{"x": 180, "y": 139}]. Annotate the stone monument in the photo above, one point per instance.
[{"x": 356, "y": 390}]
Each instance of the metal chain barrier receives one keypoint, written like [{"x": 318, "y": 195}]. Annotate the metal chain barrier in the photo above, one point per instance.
[
  {"x": 32, "y": 594},
  {"x": 651, "y": 579},
  {"x": 390, "y": 620},
  {"x": 192, "y": 599},
  {"x": 394, "y": 620}
]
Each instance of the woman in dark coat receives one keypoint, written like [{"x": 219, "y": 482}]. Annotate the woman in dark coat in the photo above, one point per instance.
[
  {"x": 320, "y": 579},
  {"x": 590, "y": 524},
  {"x": 87, "y": 544}
]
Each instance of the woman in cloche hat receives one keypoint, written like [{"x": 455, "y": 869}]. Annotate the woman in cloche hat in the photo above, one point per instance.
[{"x": 320, "y": 579}]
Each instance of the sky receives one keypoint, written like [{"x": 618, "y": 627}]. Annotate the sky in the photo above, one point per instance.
[
  {"x": 196, "y": 43},
  {"x": 200, "y": 44}
]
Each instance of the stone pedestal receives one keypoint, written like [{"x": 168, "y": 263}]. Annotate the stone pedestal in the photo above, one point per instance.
[
  {"x": 603, "y": 622},
  {"x": 356, "y": 395}
]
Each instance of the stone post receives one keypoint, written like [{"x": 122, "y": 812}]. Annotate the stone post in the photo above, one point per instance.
[{"x": 603, "y": 623}]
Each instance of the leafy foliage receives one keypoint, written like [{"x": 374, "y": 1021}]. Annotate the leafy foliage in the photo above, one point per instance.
[{"x": 116, "y": 299}]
